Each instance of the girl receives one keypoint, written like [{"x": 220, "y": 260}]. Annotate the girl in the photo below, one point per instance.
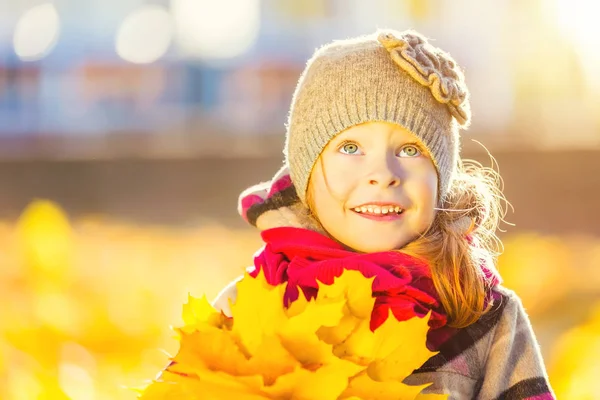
[{"x": 373, "y": 179}]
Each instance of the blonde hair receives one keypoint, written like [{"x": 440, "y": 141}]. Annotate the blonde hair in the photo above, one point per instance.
[
  {"x": 457, "y": 252},
  {"x": 461, "y": 238}
]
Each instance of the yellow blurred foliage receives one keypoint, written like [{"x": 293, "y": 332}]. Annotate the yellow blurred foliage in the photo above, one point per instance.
[
  {"x": 575, "y": 363},
  {"x": 532, "y": 265},
  {"x": 87, "y": 305}
]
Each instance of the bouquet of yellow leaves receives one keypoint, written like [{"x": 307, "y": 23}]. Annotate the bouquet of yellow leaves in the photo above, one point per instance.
[{"x": 322, "y": 349}]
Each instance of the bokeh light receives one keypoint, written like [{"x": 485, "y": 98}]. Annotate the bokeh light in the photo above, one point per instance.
[
  {"x": 37, "y": 32},
  {"x": 76, "y": 382},
  {"x": 216, "y": 29},
  {"x": 578, "y": 19},
  {"x": 145, "y": 35}
]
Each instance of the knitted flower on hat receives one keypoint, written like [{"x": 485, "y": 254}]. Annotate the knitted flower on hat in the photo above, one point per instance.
[{"x": 431, "y": 67}]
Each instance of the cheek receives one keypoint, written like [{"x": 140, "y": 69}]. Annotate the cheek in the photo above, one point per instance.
[
  {"x": 427, "y": 177},
  {"x": 321, "y": 200},
  {"x": 326, "y": 202},
  {"x": 428, "y": 194},
  {"x": 424, "y": 192},
  {"x": 430, "y": 188},
  {"x": 332, "y": 183}
]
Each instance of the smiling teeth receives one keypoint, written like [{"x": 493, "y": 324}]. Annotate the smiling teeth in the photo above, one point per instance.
[{"x": 379, "y": 210}]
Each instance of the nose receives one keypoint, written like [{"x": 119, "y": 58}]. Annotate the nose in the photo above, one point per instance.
[
  {"x": 385, "y": 181},
  {"x": 384, "y": 175}
]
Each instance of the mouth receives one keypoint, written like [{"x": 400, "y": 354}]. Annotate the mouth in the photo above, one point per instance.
[{"x": 379, "y": 212}]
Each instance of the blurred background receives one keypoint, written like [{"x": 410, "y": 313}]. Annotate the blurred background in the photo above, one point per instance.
[{"x": 128, "y": 128}]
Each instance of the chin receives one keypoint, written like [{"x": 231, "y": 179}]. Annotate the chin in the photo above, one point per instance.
[{"x": 379, "y": 247}]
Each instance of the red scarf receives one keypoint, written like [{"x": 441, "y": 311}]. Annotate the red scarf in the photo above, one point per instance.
[{"x": 300, "y": 257}]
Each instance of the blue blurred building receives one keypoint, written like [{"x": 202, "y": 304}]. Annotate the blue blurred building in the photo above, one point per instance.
[{"x": 83, "y": 89}]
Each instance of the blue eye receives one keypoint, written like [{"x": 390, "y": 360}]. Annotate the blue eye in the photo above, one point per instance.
[
  {"x": 349, "y": 148},
  {"x": 410, "y": 150}
]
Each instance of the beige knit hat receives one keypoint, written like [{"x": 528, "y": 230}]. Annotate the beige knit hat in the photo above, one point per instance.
[{"x": 387, "y": 76}]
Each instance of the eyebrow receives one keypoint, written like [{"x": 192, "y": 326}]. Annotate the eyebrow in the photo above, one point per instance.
[{"x": 406, "y": 138}]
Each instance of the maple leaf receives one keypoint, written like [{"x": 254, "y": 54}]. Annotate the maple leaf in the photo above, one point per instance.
[
  {"x": 212, "y": 386},
  {"x": 318, "y": 349},
  {"x": 390, "y": 353},
  {"x": 213, "y": 348},
  {"x": 298, "y": 333},
  {"x": 337, "y": 334},
  {"x": 199, "y": 313},
  {"x": 365, "y": 388},
  {"x": 260, "y": 313}
]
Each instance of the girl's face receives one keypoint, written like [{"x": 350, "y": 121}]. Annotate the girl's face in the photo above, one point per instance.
[{"x": 374, "y": 188}]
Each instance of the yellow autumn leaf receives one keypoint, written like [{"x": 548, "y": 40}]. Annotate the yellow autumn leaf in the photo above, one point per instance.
[
  {"x": 360, "y": 295},
  {"x": 355, "y": 288},
  {"x": 366, "y": 388},
  {"x": 356, "y": 291},
  {"x": 358, "y": 345},
  {"x": 297, "y": 307},
  {"x": 390, "y": 354},
  {"x": 272, "y": 360},
  {"x": 315, "y": 315},
  {"x": 326, "y": 383},
  {"x": 213, "y": 385},
  {"x": 198, "y": 313},
  {"x": 412, "y": 331},
  {"x": 337, "y": 334},
  {"x": 214, "y": 348},
  {"x": 172, "y": 387},
  {"x": 260, "y": 313},
  {"x": 298, "y": 334},
  {"x": 197, "y": 310},
  {"x": 322, "y": 349}
]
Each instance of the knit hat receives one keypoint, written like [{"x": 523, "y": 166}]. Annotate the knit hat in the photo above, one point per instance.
[{"x": 387, "y": 76}]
